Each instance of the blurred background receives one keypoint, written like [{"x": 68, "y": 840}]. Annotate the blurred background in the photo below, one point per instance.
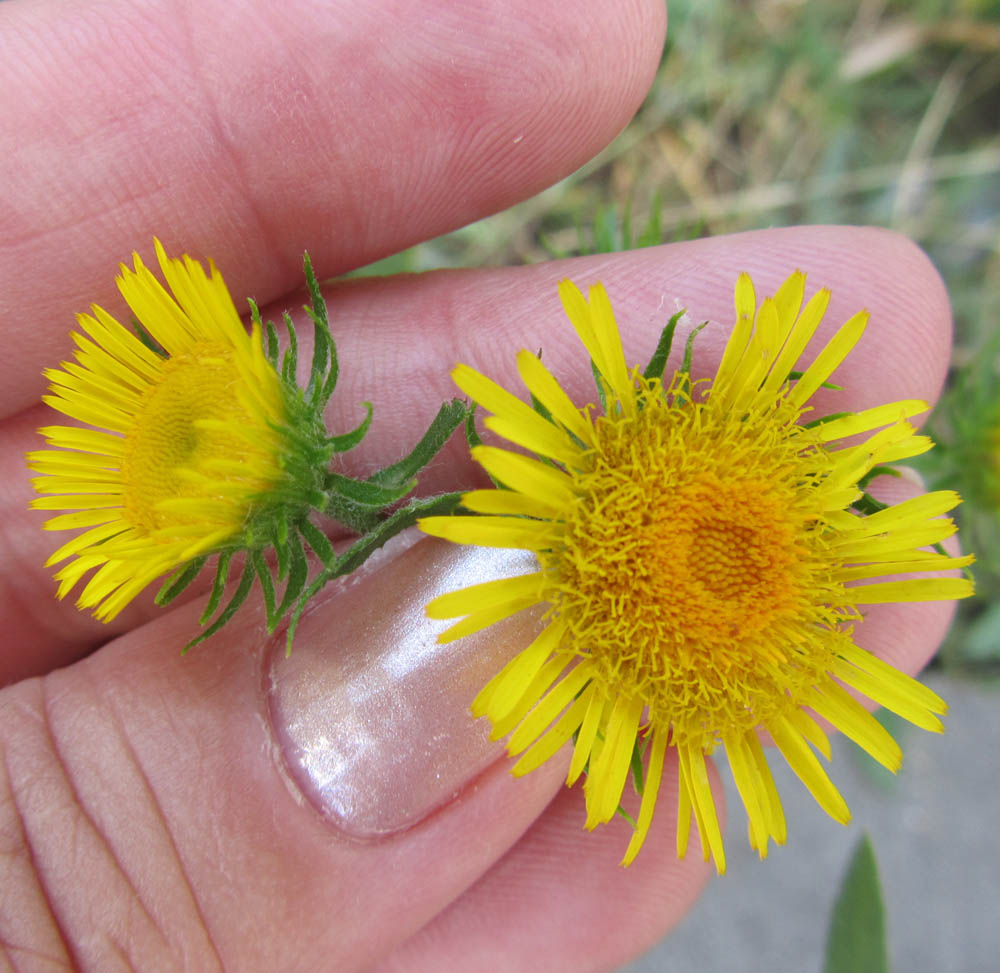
[{"x": 779, "y": 112}]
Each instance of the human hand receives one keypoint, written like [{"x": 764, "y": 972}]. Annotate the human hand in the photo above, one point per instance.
[{"x": 161, "y": 783}]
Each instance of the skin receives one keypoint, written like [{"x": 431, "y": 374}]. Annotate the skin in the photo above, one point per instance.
[{"x": 148, "y": 777}]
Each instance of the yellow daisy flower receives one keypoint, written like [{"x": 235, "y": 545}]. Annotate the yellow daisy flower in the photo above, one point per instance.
[
  {"x": 188, "y": 443},
  {"x": 702, "y": 555},
  {"x": 202, "y": 443}
]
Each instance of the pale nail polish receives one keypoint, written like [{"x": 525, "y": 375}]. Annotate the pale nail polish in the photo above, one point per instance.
[{"x": 371, "y": 712}]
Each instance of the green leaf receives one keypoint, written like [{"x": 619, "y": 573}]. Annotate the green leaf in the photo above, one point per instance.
[
  {"x": 179, "y": 580},
  {"x": 348, "y": 440},
  {"x": 448, "y": 419},
  {"x": 658, "y": 362},
  {"x": 856, "y": 941}
]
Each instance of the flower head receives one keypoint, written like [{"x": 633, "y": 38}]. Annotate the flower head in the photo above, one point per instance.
[
  {"x": 202, "y": 443},
  {"x": 703, "y": 556},
  {"x": 189, "y": 444}
]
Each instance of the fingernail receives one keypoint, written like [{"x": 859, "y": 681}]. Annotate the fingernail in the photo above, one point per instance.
[{"x": 372, "y": 714}]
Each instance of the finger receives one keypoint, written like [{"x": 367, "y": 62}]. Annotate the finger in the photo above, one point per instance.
[
  {"x": 559, "y": 900},
  {"x": 349, "y": 130},
  {"x": 483, "y": 318},
  {"x": 234, "y": 805}
]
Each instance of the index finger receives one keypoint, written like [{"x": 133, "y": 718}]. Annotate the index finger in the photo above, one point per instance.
[{"x": 348, "y": 130}]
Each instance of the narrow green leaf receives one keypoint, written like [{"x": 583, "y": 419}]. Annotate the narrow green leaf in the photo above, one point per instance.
[
  {"x": 658, "y": 362},
  {"x": 179, "y": 580},
  {"x": 240, "y": 596},
  {"x": 856, "y": 942},
  {"x": 348, "y": 440},
  {"x": 218, "y": 586},
  {"x": 449, "y": 417}
]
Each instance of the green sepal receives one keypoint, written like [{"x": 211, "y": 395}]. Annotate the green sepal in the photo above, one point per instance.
[
  {"x": 280, "y": 542},
  {"x": 298, "y": 573},
  {"x": 318, "y": 541},
  {"x": 179, "y": 580},
  {"x": 218, "y": 586},
  {"x": 473, "y": 439},
  {"x": 689, "y": 348},
  {"x": 271, "y": 347},
  {"x": 796, "y": 375},
  {"x": 325, "y": 367},
  {"x": 877, "y": 471},
  {"x": 147, "y": 339},
  {"x": 290, "y": 361},
  {"x": 658, "y": 363},
  {"x": 823, "y": 419},
  {"x": 449, "y": 417},
  {"x": 239, "y": 596},
  {"x": 366, "y": 493},
  {"x": 256, "y": 558},
  {"x": 868, "y": 505},
  {"x": 472, "y": 436},
  {"x": 348, "y": 440},
  {"x": 599, "y": 382}
]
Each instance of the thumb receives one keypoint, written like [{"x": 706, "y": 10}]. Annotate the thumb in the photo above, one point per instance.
[{"x": 236, "y": 808}]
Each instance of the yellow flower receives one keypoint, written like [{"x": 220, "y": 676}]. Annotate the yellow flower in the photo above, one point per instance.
[
  {"x": 702, "y": 555},
  {"x": 188, "y": 444}
]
